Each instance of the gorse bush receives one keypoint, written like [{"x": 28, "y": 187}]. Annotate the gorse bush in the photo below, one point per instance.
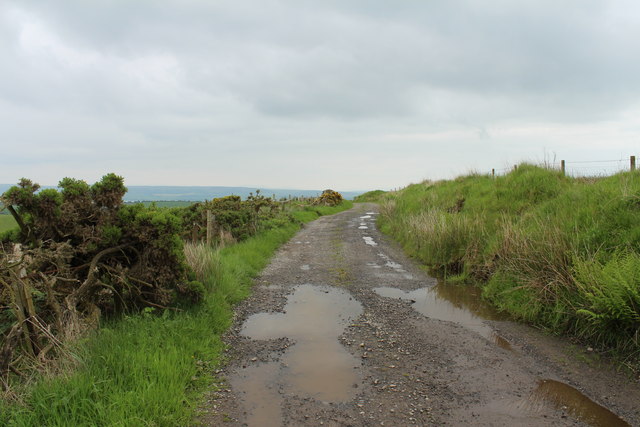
[
  {"x": 329, "y": 198},
  {"x": 233, "y": 218},
  {"x": 78, "y": 257},
  {"x": 552, "y": 250}
]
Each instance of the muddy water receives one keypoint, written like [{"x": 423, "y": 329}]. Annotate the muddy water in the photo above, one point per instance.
[
  {"x": 261, "y": 394},
  {"x": 563, "y": 396},
  {"x": 316, "y": 366},
  {"x": 451, "y": 303}
]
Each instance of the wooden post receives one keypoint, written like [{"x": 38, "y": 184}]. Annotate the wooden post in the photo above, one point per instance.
[
  {"x": 209, "y": 227},
  {"x": 493, "y": 173},
  {"x": 562, "y": 167},
  {"x": 632, "y": 161},
  {"x": 515, "y": 168},
  {"x": 194, "y": 232}
]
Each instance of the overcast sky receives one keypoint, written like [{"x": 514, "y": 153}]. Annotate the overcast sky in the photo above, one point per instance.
[{"x": 342, "y": 94}]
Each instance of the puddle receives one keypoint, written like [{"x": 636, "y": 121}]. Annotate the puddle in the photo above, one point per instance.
[
  {"x": 373, "y": 265},
  {"x": 260, "y": 394},
  {"x": 388, "y": 262},
  {"x": 365, "y": 217},
  {"x": 371, "y": 213},
  {"x": 317, "y": 365},
  {"x": 563, "y": 396},
  {"x": 443, "y": 303},
  {"x": 363, "y": 227},
  {"x": 369, "y": 241},
  {"x": 394, "y": 265},
  {"x": 305, "y": 267}
]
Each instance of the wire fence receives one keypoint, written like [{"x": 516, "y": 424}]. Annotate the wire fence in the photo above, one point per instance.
[{"x": 584, "y": 168}]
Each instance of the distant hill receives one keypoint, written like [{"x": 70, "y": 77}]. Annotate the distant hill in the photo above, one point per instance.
[{"x": 196, "y": 193}]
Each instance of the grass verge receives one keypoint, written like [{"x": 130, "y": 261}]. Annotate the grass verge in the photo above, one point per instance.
[
  {"x": 555, "y": 251},
  {"x": 151, "y": 369}
]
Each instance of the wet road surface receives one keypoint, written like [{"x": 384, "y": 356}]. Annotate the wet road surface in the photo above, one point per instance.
[{"x": 343, "y": 330}]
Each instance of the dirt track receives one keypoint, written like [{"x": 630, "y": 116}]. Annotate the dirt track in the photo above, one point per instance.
[{"x": 319, "y": 343}]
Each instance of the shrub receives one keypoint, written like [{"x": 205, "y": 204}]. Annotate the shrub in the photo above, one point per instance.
[{"x": 329, "y": 198}]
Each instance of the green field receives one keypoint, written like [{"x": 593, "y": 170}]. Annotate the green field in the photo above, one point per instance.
[{"x": 7, "y": 223}]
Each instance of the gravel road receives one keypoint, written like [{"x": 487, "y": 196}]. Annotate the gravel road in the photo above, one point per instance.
[{"x": 342, "y": 329}]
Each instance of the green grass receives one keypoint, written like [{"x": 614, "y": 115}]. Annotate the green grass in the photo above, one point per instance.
[
  {"x": 151, "y": 369},
  {"x": 551, "y": 250},
  {"x": 370, "y": 196},
  {"x": 7, "y": 223},
  {"x": 309, "y": 213}
]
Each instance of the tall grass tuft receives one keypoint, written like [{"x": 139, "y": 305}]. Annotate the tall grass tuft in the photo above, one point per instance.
[{"x": 204, "y": 260}]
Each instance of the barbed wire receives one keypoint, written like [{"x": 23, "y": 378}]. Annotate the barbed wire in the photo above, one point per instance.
[{"x": 598, "y": 161}]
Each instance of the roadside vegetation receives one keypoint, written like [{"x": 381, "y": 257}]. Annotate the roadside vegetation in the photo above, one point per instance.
[
  {"x": 559, "y": 252},
  {"x": 370, "y": 196},
  {"x": 150, "y": 361}
]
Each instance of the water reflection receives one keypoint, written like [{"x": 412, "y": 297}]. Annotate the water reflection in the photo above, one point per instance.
[
  {"x": 565, "y": 397},
  {"x": 452, "y": 303}
]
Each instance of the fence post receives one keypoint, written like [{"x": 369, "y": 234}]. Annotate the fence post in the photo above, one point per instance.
[
  {"x": 632, "y": 161},
  {"x": 209, "y": 227},
  {"x": 562, "y": 167}
]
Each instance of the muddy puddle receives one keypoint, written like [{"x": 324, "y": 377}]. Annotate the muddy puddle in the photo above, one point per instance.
[
  {"x": 451, "y": 303},
  {"x": 567, "y": 398},
  {"x": 315, "y": 366}
]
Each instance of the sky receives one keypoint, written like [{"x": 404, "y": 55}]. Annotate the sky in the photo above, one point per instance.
[{"x": 343, "y": 94}]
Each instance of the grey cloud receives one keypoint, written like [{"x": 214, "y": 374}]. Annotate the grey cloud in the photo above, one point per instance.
[
  {"x": 360, "y": 59},
  {"x": 222, "y": 78}
]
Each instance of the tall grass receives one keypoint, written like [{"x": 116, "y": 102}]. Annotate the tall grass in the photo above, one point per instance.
[
  {"x": 549, "y": 249},
  {"x": 151, "y": 369},
  {"x": 205, "y": 262}
]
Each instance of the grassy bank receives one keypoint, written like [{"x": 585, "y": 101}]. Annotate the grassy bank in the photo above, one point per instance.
[
  {"x": 151, "y": 369},
  {"x": 555, "y": 251}
]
